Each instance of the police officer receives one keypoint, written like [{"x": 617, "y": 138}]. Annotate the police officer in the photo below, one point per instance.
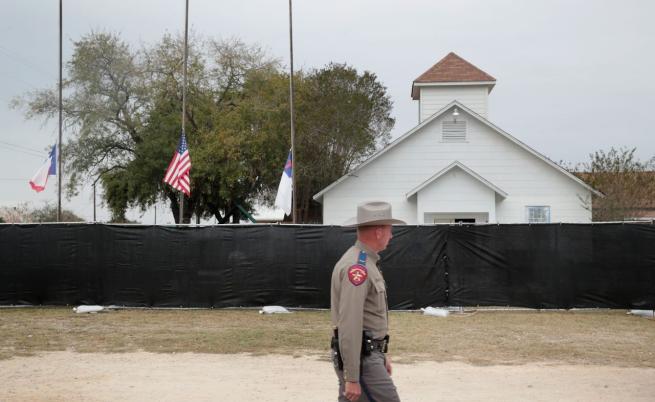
[{"x": 359, "y": 310}]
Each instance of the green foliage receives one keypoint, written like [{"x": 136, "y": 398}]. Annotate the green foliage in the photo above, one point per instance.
[
  {"x": 123, "y": 115},
  {"x": 229, "y": 155},
  {"x": 627, "y": 183},
  {"x": 343, "y": 117}
]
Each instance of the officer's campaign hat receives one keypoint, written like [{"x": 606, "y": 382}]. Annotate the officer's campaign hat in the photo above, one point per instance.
[{"x": 374, "y": 213}]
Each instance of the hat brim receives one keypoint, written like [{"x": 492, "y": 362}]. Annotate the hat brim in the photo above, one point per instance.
[{"x": 352, "y": 222}]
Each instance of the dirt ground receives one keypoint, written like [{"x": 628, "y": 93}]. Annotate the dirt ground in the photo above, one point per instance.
[
  {"x": 140, "y": 376},
  {"x": 53, "y": 354}
]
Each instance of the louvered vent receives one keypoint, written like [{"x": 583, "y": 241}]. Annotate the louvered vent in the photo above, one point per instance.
[{"x": 454, "y": 131}]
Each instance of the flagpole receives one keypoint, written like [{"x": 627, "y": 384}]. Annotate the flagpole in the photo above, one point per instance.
[
  {"x": 59, "y": 153},
  {"x": 94, "y": 202},
  {"x": 294, "y": 156},
  {"x": 186, "y": 35}
]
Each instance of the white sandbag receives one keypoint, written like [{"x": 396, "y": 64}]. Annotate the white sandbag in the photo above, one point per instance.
[
  {"x": 87, "y": 309},
  {"x": 436, "y": 312},
  {"x": 274, "y": 310},
  {"x": 643, "y": 313}
]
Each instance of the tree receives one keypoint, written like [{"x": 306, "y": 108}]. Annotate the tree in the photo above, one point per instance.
[
  {"x": 124, "y": 109},
  {"x": 48, "y": 213},
  {"x": 229, "y": 152},
  {"x": 239, "y": 157},
  {"x": 104, "y": 107},
  {"x": 23, "y": 213},
  {"x": 343, "y": 118},
  {"x": 105, "y": 103},
  {"x": 17, "y": 214},
  {"x": 627, "y": 183}
]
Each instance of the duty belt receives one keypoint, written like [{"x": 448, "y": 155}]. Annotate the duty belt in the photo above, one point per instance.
[
  {"x": 381, "y": 345},
  {"x": 368, "y": 343}
]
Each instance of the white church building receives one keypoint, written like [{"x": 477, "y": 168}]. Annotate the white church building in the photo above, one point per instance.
[{"x": 457, "y": 166}]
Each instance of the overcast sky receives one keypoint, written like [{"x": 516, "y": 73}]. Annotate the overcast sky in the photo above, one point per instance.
[{"x": 572, "y": 76}]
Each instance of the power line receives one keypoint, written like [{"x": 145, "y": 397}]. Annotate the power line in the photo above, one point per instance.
[
  {"x": 22, "y": 147},
  {"x": 18, "y": 58},
  {"x": 27, "y": 83},
  {"x": 30, "y": 153}
]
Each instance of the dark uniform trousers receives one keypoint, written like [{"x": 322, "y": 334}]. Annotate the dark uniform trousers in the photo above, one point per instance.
[{"x": 374, "y": 380}]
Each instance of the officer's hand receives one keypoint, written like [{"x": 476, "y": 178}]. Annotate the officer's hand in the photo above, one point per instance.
[
  {"x": 353, "y": 391},
  {"x": 387, "y": 364}
]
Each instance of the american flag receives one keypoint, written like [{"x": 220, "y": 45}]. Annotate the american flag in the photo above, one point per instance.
[{"x": 177, "y": 174}]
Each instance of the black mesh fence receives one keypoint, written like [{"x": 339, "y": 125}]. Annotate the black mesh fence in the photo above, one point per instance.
[{"x": 538, "y": 266}]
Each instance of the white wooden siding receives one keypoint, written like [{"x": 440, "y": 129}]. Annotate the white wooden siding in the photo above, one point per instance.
[
  {"x": 435, "y": 98},
  {"x": 456, "y": 191},
  {"x": 527, "y": 179}
]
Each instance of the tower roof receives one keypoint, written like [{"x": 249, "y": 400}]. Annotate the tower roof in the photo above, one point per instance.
[{"x": 451, "y": 68}]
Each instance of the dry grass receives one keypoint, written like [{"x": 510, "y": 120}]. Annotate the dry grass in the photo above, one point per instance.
[
  {"x": 508, "y": 337},
  {"x": 516, "y": 337}
]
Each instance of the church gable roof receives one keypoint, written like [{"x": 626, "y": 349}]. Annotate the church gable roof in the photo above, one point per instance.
[
  {"x": 484, "y": 121},
  {"x": 466, "y": 169}
]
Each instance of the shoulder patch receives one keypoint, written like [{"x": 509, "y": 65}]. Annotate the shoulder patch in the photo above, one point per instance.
[{"x": 357, "y": 274}]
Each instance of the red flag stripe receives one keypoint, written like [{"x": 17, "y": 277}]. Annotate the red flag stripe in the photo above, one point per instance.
[
  {"x": 177, "y": 174},
  {"x": 182, "y": 168},
  {"x": 170, "y": 170},
  {"x": 183, "y": 163}
]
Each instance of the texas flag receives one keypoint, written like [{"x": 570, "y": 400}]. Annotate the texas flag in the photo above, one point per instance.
[
  {"x": 49, "y": 168},
  {"x": 285, "y": 190}
]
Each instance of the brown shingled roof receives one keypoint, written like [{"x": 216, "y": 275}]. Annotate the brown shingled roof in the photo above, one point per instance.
[{"x": 451, "y": 68}]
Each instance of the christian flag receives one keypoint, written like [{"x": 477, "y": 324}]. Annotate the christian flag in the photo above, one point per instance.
[
  {"x": 49, "y": 168},
  {"x": 285, "y": 190},
  {"x": 177, "y": 174}
]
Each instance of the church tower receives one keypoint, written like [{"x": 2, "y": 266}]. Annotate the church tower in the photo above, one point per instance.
[{"x": 452, "y": 78}]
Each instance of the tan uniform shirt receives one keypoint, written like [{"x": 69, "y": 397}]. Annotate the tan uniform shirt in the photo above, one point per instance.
[{"x": 358, "y": 302}]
